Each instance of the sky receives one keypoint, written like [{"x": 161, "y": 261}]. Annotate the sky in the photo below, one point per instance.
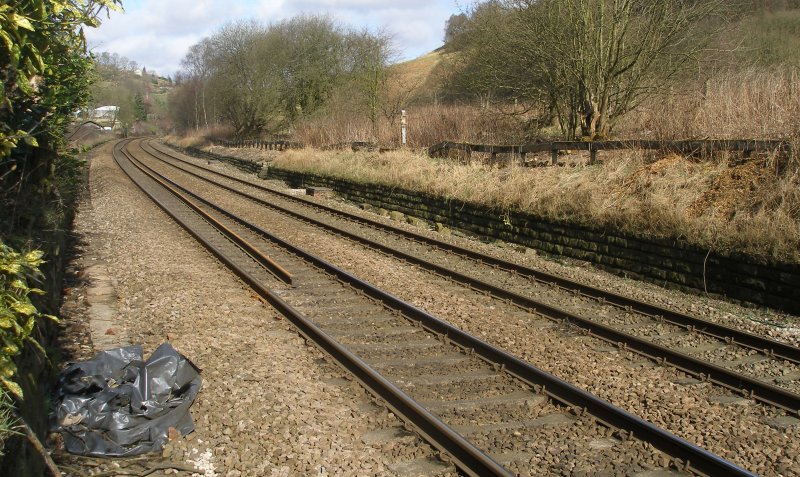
[{"x": 157, "y": 33}]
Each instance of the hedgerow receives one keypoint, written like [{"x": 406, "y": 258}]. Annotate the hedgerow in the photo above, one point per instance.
[
  {"x": 45, "y": 72},
  {"x": 18, "y": 315}
]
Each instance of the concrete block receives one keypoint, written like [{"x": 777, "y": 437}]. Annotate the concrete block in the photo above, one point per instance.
[{"x": 416, "y": 222}]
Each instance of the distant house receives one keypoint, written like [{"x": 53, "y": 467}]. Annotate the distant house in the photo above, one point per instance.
[
  {"x": 105, "y": 112},
  {"x": 105, "y": 116}
]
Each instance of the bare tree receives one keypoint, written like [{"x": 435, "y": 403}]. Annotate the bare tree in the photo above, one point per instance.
[
  {"x": 587, "y": 61},
  {"x": 370, "y": 57},
  {"x": 265, "y": 79},
  {"x": 314, "y": 50},
  {"x": 197, "y": 64},
  {"x": 234, "y": 81},
  {"x": 454, "y": 26}
]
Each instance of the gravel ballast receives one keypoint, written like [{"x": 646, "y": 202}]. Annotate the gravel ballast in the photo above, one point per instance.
[{"x": 270, "y": 404}]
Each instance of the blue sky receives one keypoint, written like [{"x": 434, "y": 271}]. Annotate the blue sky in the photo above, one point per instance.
[{"x": 157, "y": 33}]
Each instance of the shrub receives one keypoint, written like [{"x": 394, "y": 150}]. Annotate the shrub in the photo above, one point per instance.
[{"x": 18, "y": 315}]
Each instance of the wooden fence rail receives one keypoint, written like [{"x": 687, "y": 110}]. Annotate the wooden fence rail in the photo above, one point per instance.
[
  {"x": 354, "y": 146},
  {"x": 443, "y": 149},
  {"x": 691, "y": 147},
  {"x": 259, "y": 144}
]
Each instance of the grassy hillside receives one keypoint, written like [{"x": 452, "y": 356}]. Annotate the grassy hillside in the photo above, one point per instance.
[
  {"x": 419, "y": 74},
  {"x": 141, "y": 96}
]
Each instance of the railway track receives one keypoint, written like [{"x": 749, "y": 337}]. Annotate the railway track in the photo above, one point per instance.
[
  {"x": 752, "y": 365},
  {"x": 492, "y": 413}
]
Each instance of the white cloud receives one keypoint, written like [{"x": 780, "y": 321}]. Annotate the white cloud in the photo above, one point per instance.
[{"x": 157, "y": 33}]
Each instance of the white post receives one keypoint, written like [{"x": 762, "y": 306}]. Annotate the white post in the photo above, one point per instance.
[{"x": 403, "y": 124}]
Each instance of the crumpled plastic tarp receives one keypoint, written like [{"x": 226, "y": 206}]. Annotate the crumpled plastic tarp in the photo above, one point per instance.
[{"x": 117, "y": 404}]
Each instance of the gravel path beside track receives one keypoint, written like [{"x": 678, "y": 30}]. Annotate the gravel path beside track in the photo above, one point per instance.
[{"x": 270, "y": 404}]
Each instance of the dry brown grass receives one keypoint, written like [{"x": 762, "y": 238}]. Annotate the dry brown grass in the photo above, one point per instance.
[
  {"x": 427, "y": 125},
  {"x": 635, "y": 192},
  {"x": 750, "y": 104},
  {"x": 201, "y": 137}
]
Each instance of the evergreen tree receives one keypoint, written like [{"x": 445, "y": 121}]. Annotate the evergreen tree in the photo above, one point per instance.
[{"x": 139, "y": 108}]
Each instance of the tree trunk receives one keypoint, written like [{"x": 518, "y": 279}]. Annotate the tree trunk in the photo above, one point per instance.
[
  {"x": 205, "y": 114},
  {"x": 196, "y": 112}
]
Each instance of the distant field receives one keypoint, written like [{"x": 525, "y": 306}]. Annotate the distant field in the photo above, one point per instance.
[{"x": 417, "y": 73}]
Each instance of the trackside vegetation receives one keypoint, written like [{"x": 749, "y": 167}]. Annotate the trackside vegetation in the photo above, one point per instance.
[
  {"x": 18, "y": 315},
  {"x": 259, "y": 79},
  {"x": 45, "y": 72}
]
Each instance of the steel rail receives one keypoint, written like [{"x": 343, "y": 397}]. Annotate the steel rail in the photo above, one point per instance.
[
  {"x": 466, "y": 456},
  {"x": 750, "y": 340},
  {"x": 751, "y": 387},
  {"x": 693, "y": 457},
  {"x": 277, "y": 270}
]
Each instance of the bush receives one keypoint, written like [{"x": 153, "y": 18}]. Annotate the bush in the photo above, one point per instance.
[{"x": 18, "y": 316}]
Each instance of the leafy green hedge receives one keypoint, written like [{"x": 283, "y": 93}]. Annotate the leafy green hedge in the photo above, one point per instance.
[
  {"x": 45, "y": 72},
  {"x": 18, "y": 316},
  {"x": 44, "y": 66}
]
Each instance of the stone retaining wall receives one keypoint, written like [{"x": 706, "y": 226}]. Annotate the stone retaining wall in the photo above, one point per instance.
[{"x": 667, "y": 262}]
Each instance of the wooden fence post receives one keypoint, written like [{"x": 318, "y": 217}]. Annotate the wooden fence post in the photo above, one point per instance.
[{"x": 403, "y": 127}]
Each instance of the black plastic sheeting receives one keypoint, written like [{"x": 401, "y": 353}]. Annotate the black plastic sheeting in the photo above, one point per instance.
[{"x": 117, "y": 404}]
